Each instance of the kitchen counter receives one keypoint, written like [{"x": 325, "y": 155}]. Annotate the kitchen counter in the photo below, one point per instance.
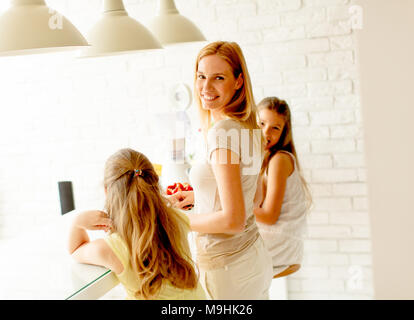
[{"x": 37, "y": 266}]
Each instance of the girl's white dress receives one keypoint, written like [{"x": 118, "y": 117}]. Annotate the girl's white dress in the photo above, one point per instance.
[{"x": 285, "y": 238}]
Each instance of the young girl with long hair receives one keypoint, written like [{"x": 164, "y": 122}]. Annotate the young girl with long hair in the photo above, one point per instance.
[
  {"x": 282, "y": 198},
  {"x": 147, "y": 247},
  {"x": 231, "y": 256}
]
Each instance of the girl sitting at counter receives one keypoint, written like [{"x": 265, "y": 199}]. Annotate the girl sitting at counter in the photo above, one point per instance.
[
  {"x": 282, "y": 197},
  {"x": 147, "y": 246}
]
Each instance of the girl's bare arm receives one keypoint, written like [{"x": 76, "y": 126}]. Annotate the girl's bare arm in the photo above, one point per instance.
[
  {"x": 280, "y": 168},
  {"x": 95, "y": 252}
]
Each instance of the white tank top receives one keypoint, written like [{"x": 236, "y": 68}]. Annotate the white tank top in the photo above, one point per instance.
[{"x": 284, "y": 239}]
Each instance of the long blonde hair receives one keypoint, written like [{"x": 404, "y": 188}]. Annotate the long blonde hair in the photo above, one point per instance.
[
  {"x": 153, "y": 231},
  {"x": 242, "y": 106},
  {"x": 285, "y": 142}
]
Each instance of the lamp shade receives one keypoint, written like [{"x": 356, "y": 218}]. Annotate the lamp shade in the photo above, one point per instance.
[
  {"x": 29, "y": 27},
  {"x": 116, "y": 33},
  {"x": 170, "y": 27}
]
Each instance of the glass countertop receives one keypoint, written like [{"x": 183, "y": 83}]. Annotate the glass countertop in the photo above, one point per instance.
[{"x": 36, "y": 266}]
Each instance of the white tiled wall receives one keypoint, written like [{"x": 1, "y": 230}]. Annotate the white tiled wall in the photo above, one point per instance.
[{"x": 62, "y": 117}]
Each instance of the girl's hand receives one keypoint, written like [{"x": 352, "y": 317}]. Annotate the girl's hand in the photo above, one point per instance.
[
  {"x": 182, "y": 199},
  {"x": 93, "y": 220}
]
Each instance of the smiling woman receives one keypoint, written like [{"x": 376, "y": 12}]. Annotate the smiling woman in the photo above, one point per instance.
[
  {"x": 231, "y": 256},
  {"x": 225, "y": 60},
  {"x": 216, "y": 84}
]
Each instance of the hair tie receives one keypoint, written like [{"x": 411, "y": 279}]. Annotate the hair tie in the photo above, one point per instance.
[{"x": 138, "y": 172}]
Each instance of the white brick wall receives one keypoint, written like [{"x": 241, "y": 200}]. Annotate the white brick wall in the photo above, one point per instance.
[{"x": 62, "y": 117}]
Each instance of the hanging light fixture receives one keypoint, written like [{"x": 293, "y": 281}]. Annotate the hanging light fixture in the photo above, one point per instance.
[
  {"x": 29, "y": 27},
  {"x": 117, "y": 33},
  {"x": 170, "y": 27}
]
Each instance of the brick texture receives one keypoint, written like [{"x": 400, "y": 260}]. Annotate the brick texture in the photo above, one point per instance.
[{"x": 62, "y": 117}]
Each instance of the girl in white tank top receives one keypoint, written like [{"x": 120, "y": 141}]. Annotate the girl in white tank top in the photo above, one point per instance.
[{"x": 282, "y": 198}]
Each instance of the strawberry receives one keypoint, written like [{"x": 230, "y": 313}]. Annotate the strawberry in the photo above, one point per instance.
[
  {"x": 187, "y": 187},
  {"x": 171, "y": 189}
]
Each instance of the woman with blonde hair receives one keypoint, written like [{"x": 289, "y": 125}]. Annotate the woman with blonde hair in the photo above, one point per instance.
[
  {"x": 231, "y": 255},
  {"x": 147, "y": 247}
]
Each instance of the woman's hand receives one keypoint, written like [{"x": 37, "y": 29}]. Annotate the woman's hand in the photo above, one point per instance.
[
  {"x": 182, "y": 199},
  {"x": 93, "y": 220}
]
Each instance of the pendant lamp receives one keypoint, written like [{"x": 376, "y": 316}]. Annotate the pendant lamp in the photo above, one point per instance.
[
  {"x": 170, "y": 27},
  {"x": 116, "y": 33},
  {"x": 30, "y": 27}
]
